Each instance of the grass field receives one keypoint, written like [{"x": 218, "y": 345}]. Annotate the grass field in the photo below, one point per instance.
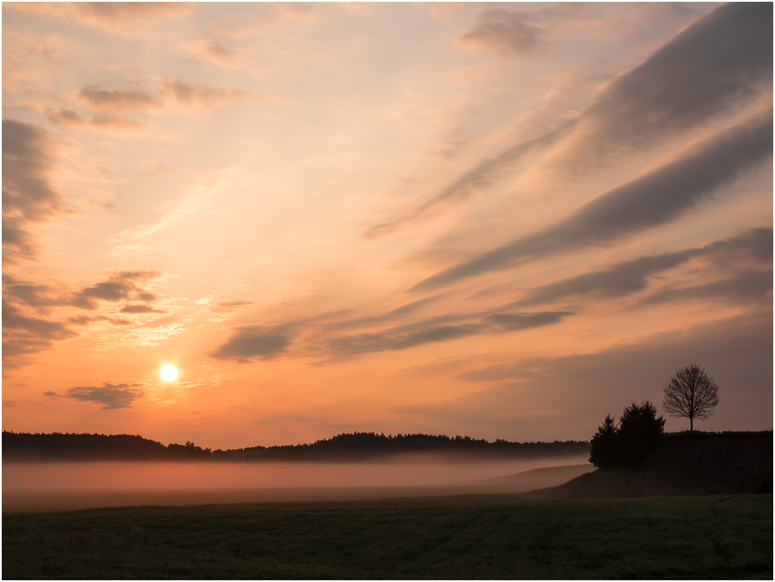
[{"x": 472, "y": 536}]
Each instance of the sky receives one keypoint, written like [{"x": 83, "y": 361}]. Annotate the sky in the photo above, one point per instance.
[{"x": 494, "y": 220}]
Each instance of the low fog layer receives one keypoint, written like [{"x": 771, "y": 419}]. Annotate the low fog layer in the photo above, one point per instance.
[
  {"x": 165, "y": 475},
  {"x": 30, "y": 486}
]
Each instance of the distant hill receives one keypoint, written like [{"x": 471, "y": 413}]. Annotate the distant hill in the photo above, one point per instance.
[
  {"x": 539, "y": 478},
  {"x": 358, "y": 446},
  {"x": 687, "y": 463}
]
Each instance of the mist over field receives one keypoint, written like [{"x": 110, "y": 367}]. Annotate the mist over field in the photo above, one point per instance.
[
  {"x": 414, "y": 470},
  {"x": 68, "y": 485}
]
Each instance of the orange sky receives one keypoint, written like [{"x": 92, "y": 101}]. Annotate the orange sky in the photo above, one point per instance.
[{"x": 502, "y": 221}]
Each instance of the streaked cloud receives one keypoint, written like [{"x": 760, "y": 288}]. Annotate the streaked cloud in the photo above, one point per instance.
[
  {"x": 118, "y": 100},
  {"x": 718, "y": 62},
  {"x": 581, "y": 196},
  {"x": 391, "y": 316},
  {"x": 202, "y": 97},
  {"x": 722, "y": 60},
  {"x": 746, "y": 288},
  {"x": 436, "y": 330},
  {"x": 629, "y": 277},
  {"x": 253, "y": 342},
  {"x": 655, "y": 198},
  {"x": 201, "y": 198},
  {"x": 484, "y": 175},
  {"x": 247, "y": 342}
]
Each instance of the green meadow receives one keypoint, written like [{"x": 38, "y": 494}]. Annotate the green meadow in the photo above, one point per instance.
[{"x": 467, "y": 537}]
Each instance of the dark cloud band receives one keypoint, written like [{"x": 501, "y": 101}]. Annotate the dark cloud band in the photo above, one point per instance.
[
  {"x": 632, "y": 276},
  {"x": 109, "y": 396},
  {"x": 655, "y": 198},
  {"x": 253, "y": 342},
  {"x": 719, "y": 62}
]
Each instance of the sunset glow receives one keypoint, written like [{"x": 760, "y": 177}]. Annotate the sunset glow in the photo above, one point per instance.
[
  {"x": 502, "y": 221},
  {"x": 168, "y": 373}
]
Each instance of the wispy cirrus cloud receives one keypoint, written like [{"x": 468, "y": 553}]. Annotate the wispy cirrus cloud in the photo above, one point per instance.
[
  {"x": 254, "y": 342},
  {"x": 265, "y": 342},
  {"x": 397, "y": 314},
  {"x": 707, "y": 69},
  {"x": 655, "y": 198},
  {"x": 739, "y": 268},
  {"x": 437, "y": 330},
  {"x": 721, "y": 61},
  {"x": 630, "y": 277},
  {"x": 201, "y": 97},
  {"x": 197, "y": 200},
  {"x": 484, "y": 175},
  {"x": 119, "y": 100},
  {"x": 746, "y": 288}
]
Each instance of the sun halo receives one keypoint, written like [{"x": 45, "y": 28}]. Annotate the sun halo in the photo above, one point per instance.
[{"x": 168, "y": 373}]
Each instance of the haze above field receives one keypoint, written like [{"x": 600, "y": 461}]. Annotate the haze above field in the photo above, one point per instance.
[
  {"x": 78, "y": 485},
  {"x": 416, "y": 470},
  {"x": 496, "y": 221}
]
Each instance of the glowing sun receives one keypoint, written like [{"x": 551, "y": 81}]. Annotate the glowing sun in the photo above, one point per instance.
[{"x": 169, "y": 373}]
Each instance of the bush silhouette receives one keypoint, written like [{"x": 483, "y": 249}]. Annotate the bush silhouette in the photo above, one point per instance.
[
  {"x": 631, "y": 441},
  {"x": 603, "y": 452}
]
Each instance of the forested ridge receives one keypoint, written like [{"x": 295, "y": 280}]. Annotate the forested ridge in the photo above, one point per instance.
[{"x": 344, "y": 447}]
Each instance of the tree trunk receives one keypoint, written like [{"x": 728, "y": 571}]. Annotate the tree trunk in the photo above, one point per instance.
[{"x": 691, "y": 424}]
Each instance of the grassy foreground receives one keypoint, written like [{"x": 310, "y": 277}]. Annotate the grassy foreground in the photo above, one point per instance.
[{"x": 470, "y": 537}]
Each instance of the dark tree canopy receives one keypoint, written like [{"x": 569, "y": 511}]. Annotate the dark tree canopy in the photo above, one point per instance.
[
  {"x": 691, "y": 394},
  {"x": 631, "y": 441},
  {"x": 602, "y": 452},
  {"x": 639, "y": 432}
]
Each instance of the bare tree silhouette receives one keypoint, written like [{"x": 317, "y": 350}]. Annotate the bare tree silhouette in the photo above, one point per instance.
[{"x": 691, "y": 394}]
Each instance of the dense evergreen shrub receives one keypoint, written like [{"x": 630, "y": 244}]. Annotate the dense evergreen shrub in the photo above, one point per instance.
[{"x": 631, "y": 441}]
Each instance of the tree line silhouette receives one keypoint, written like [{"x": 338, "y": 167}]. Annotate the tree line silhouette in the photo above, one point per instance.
[{"x": 343, "y": 447}]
